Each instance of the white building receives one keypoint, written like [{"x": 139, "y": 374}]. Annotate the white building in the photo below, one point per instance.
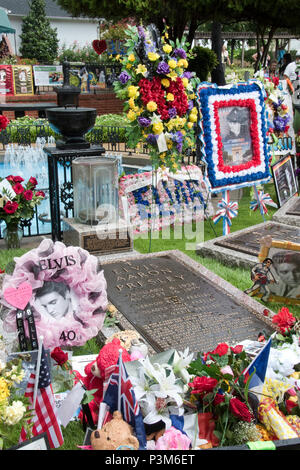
[{"x": 82, "y": 30}]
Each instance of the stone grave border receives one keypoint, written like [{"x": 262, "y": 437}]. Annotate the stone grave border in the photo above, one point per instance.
[
  {"x": 228, "y": 256},
  {"x": 281, "y": 215}
]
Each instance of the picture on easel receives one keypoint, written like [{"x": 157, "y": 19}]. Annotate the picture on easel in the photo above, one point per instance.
[
  {"x": 284, "y": 179},
  {"x": 276, "y": 276}
]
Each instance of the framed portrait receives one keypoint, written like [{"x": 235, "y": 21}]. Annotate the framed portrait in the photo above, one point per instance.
[
  {"x": 284, "y": 179},
  {"x": 39, "y": 442},
  {"x": 233, "y": 134},
  {"x": 23, "y": 79},
  {"x": 285, "y": 270}
]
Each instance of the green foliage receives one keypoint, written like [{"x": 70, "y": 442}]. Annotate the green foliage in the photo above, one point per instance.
[
  {"x": 38, "y": 40},
  {"x": 74, "y": 53},
  {"x": 204, "y": 61}
]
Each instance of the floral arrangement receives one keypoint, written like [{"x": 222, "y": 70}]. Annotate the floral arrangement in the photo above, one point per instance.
[
  {"x": 158, "y": 91},
  {"x": 78, "y": 270},
  {"x": 242, "y": 96},
  {"x": 14, "y": 412},
  {"x": 19, "y": 202},
  {"x": 170, "y": 192},
  {"x": 4, "y": 121},
  {"x": 160, "y": 387},
  {"x": 220, "y": 392}
]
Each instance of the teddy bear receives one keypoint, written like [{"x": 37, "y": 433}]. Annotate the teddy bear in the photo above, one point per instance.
[
  {"x": 116, "y": 434},
  {"x": 95, "y": 374}
]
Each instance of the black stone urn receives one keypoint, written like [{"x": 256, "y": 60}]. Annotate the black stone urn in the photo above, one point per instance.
[{"x": 69, "y": 120}]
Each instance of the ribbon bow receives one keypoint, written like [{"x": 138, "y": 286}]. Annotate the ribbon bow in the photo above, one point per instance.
[
  {"x": 228, "y": 210},
  {"x": 261, "y": 201}
]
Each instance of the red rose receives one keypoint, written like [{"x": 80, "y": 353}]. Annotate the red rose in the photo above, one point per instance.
[
  {"x": 11, "y": 207},
  {"x": 201, "y": 385},
  {"x": 28, "y": 194},
  {"x": 240, "y": 410},
  {"x": 221, "y": 349},
  {"x": 237, "y": 349},
  {"x": 59, "y": 356},
  {"x": 219, "y": 398},
  {"x": 40, "y": 193},
  {"x": 10, "y": 178},
  {"x": 32, "y": 181},
  {"x": 4, "y": 121},
  {"x": 18, "y": 188},
  {"x": 18, "y": 179},
  {"x": 284, "y": 319}
]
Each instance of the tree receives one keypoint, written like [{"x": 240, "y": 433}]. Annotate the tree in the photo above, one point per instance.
[{"x": 38, "y": 40}]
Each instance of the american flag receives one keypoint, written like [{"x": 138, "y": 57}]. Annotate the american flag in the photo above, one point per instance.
[
  {"x": 119, "y": 395},
  {"x": 44, "y": 419}
]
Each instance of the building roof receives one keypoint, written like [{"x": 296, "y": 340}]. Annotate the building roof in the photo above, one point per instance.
[{"x": 21, "y": 8}]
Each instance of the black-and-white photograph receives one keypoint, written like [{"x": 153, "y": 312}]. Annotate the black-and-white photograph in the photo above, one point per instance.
[
  {"x": 286, "y": 270},
  {"x": 235, "y": 134},
  {"x": 284, "y": 180},
  {"x": 55, "y": 299}
]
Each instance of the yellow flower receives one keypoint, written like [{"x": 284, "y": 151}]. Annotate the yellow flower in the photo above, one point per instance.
[
  {"x": 185, "y": 81},
  {"x": 141, "y": 69},
  {"x": 131, "y": 115},
  {"x": 172, "y": 64},
  {"x": 169, "y": 143},
  {"x": 118, "y": 57},
  {"x": 183, "y": 63},
  {"x": 190, "y": 125},
  {"x": 193, "y": 117},
  {"x": 170, "y": 97},
  {"x": 191, "y": 96},
  {"x": 4, "y": 389},
  {"x": 151, "y": 106},
  {"x": 172, "y": 75},
  {"x": 131, "y": 58},
  {"x": 167, "y": 48},
  {"x": 165, "y": 82},
  {"x": 153, "y": 56},
  {"x": 133, "y": 91},
  {"x": 131, "y": 103},
  {"x": 194, "y": 110},
  {"x": 128, "y": 66},
  {"x": 157, "y": 127}
]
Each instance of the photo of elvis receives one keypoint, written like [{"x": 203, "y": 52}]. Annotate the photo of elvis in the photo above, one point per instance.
[{"x": 235, "y": 134}]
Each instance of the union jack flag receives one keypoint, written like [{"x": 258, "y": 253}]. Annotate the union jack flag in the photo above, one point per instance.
[{"x": 118, "y": 394}]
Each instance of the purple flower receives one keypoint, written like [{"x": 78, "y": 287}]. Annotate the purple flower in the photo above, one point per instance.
[
  {"x": 144, "y": 122},
  {"x": 180, "y": 53},
  {"x": 281, "y": 122},
  {"x": 141, "y": 32},
  {"x": 124, "y": 77},
  {"x": 163, "y": 68},
  {"x": 187, "y": 75},
  {"x": 191, "y": 104},
  {"x": 152, "y": 138},
  {"x": 172, "y": 112}
]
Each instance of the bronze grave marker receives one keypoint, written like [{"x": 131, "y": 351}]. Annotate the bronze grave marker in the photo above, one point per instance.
[
  {"x": 173, "y": 306},
  {"x": 249, "y": 241},
  {"x": 295, "y": 209}
]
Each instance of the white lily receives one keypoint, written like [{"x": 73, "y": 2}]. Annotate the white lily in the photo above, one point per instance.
[
  {"x": 166, "y": 385},
  {"x": 180, "y": 363}
]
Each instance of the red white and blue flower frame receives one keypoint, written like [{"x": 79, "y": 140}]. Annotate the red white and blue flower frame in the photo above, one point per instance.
[{"x": 244, "y": 95}]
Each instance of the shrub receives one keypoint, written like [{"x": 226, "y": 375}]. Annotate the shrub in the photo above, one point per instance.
[{"x": 204, "y": 61}]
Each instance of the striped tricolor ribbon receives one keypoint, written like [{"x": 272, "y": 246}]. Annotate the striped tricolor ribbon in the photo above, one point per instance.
[
  {"x": 228, "y": 210},
  {"x": 261, "y": 201}
]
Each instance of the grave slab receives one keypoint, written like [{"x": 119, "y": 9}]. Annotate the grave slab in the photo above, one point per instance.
[
  {"x": 241, "y": 248},
  {"x": 289, "y": 213},
  {"x": 175, "y": 302}
]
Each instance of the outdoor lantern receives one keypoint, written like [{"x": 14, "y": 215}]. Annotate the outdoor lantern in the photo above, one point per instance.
[{"x": 95, "y": 186}]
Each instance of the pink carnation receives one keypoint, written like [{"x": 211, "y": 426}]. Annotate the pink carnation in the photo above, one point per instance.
[{"x": 173, "y": 439}]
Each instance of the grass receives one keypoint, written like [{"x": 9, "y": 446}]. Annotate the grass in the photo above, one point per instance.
[{"x": 239, "y": 277}]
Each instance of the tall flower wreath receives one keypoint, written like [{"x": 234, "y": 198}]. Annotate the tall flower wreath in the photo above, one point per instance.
[{"x": 159, "y": 95}]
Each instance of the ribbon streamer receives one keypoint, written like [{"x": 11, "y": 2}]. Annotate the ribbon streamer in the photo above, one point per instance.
[
  {"x": 260, "y": 201},
  {"x": 228, "y": 210}
]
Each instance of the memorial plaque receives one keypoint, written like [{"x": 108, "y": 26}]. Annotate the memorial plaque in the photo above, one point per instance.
[
  {"x": 249, "y": 241},
  {"x": 172, "y": 305},
  {"x": 295, "y": 209}
]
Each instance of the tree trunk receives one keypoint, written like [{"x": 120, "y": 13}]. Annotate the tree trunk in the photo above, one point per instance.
[{"x": 217, "y": 75}]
